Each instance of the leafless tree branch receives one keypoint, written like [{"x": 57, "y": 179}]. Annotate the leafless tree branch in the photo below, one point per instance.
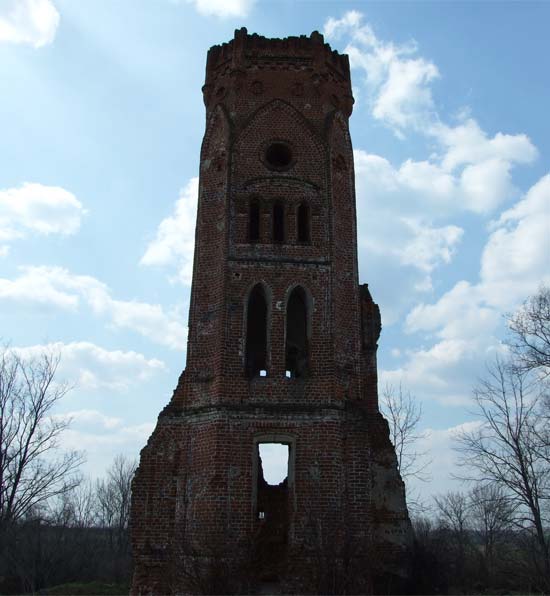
[{"x": 32, "y": 468}]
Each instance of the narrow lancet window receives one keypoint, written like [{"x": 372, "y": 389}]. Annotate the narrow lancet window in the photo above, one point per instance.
[
  {"x": 256, "y": 333},
  {"x": 278, "y": 222},
  {"x": 303, "y": 222},
  {"x": 254, "y": 221},
  {"x": 296, "y": 349}
]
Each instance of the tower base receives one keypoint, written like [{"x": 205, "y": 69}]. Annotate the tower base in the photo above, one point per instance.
[{"x": 338, "y": 524}]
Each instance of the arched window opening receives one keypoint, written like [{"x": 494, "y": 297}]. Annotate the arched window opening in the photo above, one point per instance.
[
  {"x": 296, "y": 349},
  {"x": 304, "y": 234},
  {"x": 256, "y": 333},
  {"x": 254, "y": 221},
  {"x": 278, "y": 222}
]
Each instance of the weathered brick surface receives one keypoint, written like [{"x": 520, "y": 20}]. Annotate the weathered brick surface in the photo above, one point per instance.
[{"x": 196, "y": 490}]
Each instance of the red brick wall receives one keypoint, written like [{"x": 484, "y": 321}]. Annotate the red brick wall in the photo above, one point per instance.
[{"x": 194, "y": 492}]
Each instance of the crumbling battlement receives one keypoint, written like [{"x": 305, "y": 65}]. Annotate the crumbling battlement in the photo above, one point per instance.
[
  {"x": 245, "y": 50},
  {"x": 250, "y": 69}
]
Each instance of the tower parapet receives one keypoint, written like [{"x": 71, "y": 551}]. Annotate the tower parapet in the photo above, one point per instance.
[{"x": 306, "y": 67}]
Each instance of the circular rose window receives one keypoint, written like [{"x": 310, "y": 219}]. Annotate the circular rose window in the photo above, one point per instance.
[{"x": 278, "y": 156}]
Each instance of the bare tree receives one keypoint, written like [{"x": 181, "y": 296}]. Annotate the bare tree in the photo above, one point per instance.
[
  {"x": 452, "y": 509},
  {"x": 491, "y": 513},
  {"x": 530, "y": 333},
  {"x": 404, "y": 414},
  {"x": 32, "y": 467},
  {"x": 75, "y": 508},
  {"x": 505, "y": 449},
  {"x": 114, "y": 496}
]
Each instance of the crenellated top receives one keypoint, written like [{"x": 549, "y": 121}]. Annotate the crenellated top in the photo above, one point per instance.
[
  {"x": 244, "y": 49},
  {"x": 263, "y": 68}
]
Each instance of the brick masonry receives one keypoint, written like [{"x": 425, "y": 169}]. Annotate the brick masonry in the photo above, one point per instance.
[{"x": 197, "y": 492}]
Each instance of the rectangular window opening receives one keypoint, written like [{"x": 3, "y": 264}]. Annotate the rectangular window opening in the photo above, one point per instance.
[
  {"x": 273, "y": 463},
  {"x": 288, "y": 374},
  {"x": 263, "y": 373},
  {"x": 272, "y": 502}
]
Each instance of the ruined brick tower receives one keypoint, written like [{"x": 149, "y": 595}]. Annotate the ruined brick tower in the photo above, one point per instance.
[{"x": 281, "y": 349}]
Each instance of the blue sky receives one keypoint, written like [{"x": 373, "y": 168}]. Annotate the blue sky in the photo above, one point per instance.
[{"x": 101, "y": 119}]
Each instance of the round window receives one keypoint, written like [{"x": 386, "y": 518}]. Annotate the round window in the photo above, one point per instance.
[{"x": 278, "y": 156}]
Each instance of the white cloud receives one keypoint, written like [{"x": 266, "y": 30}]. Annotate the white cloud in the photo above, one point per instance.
[
  {"x": 467, "y": 320},
  {"x": 405, "y": 211},
  {"x": 4, "y": 251},
  {"x": 40, "y": 209},
  {"x": 516, "y": 258},
  {"x": 443, "y": 373},
  {"x": 405, "y": 95},
  {"x": 428, "y": 187},
  {"x": 452, "y": 316},
  {"x": 175, "y": 239},
  {"x": 37, "y": 285},
  {"x": 513, "y": 264},
  {"x": 32, "y": 22},
  {"x": 58, "y": 287},
  {"x": 91, "y": 418},
  {"x": 89, "y": 366},
  {"x": 223, "y": 8},
  {"x": 396, "y": 230},
  {"x": 102, "y": 437},
  {"x": 467, "y": 143},
  {"x": 486, "y": 184},
  {"x": 470, "y": 170},
  {"x": 334, "y": 28},
  {"x": 439, "y": 444},
  {"x": 92, "y": 436},
  {"x": 429, "y": 246},
  {"x": 398, "y": 84}
]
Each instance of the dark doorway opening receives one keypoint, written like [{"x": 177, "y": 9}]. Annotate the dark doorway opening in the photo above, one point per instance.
[
  {"x": 256, "y": 333},
  {"x": 272, "y": 507}
]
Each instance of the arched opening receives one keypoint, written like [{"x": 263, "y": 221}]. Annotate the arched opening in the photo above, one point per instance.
[
  {"x": 254, "y": 221},
  {"x": 278, "y": 222},
  {"x": 256, "y": 333},
  {"x": 303, "y": 223},
  {"x": 296, "y": 349}
]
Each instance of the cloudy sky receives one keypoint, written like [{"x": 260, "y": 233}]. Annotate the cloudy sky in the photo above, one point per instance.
[{"x": 101, "y": 119}]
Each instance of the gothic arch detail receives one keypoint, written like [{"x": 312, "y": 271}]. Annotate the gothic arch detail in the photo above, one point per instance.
[{"x": 277, "y": 104}]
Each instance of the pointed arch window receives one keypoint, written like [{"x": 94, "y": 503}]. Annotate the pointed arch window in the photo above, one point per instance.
[
  {"x": 254, "y": 221},
  {"x": 303, "y": 223},
  {"x": 278, "y": 222},
  {"x": 256, "y": 333},
  {"x": 296, "y": 348}
]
